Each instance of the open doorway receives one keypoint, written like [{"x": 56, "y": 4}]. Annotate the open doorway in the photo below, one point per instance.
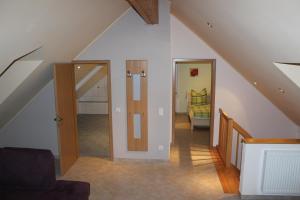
[
  {"x": 77, "y": 92},
  {"x": 91, "y": 81},
  {"x": 193, "y": 101}
]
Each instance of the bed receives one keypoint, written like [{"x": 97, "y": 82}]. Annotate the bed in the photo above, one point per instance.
[{"x": 199, "y": 108}]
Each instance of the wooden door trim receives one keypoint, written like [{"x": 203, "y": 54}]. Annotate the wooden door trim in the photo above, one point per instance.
[
  {"x": 107, "y": 63},
  {"x": 213, "y": 93}
]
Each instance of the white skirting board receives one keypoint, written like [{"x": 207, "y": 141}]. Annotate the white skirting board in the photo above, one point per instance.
[{"x": 92, "y": 108}]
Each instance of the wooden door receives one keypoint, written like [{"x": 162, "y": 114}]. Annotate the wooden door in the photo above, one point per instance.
[{"x": 66, "y": 114}]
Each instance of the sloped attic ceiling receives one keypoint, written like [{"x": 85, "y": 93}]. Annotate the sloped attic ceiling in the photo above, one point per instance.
[
  {"x": 62, "y": 27},
  {"x": 251, "y": 35}
]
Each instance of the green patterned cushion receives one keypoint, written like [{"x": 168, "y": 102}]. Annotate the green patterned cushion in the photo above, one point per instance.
[
  {"x": 199, "y": 98},
  {"x": 201, "y": 111}
]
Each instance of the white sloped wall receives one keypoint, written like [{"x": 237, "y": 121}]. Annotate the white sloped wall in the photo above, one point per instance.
[
  {"x": 234, "y": 94},
  {"x": 15, "y": 76},
  {"x": 34, "y": 125}
]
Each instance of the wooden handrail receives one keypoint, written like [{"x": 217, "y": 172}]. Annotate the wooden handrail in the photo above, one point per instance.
[
  {"x": 236, "y": 126},
  {"x": 224, "y": 114},
  {"x": 240, "y": 130},
  {"x": 270, "y": 141},
  {"x": 227, "y": 125}
]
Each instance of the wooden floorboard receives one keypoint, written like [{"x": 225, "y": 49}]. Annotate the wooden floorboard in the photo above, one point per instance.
[{"x": 229, "y": 177}]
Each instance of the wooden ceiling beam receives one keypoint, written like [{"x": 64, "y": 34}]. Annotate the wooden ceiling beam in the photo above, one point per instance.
[{"x": 147, "y": 9}]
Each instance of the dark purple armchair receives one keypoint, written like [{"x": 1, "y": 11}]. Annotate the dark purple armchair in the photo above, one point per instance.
[{"x": 29, "y": 174}]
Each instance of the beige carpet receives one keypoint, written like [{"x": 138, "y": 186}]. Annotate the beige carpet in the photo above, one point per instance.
[{"x": 189, "y": 175}]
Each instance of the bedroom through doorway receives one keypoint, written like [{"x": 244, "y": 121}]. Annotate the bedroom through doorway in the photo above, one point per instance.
[{"x": 193, "y": 102}]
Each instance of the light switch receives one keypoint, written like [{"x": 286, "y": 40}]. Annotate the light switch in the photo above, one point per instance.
[
  {"x": 118, "y": 109},
  {"x": 160, "y": 147},
  {"x": 160, "y": 111}
]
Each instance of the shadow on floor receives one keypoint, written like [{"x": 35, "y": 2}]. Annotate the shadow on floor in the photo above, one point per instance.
[{"x": 191, "y": 146}]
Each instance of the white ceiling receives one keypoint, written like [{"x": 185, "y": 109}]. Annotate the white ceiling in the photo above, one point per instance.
[
  {"x": 62, "y": 27},
  {"x": 251, "y": 36}
]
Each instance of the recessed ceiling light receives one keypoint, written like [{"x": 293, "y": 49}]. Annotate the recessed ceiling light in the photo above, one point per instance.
[
  {"x": 281, "y": 91},
  {"x": 255, "y": 83},
  {"x": 78, "y": 67},
  {"x": 209, "y": 25}
]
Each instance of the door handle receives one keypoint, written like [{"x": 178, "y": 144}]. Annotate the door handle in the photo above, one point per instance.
[{"x": 58, "y": 119}]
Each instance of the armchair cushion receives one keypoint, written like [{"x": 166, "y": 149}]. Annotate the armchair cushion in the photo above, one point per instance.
[
  {"x": 29, "y": 174},
  {"x": 27, "y": 169},
  {"x": 63, "y": 190}
]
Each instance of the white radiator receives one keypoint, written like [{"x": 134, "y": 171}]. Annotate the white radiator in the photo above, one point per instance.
[{"x": 281, "y": 174}]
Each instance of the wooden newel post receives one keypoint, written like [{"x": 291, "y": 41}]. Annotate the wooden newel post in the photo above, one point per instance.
[{"x": 229, "y": 142}]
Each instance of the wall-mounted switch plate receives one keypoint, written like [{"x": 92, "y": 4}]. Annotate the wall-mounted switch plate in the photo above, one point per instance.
[
  {"x": 161, "y": 147},
  {"x": 160, "y": 111},
  {"x": 118, "y": 109}
]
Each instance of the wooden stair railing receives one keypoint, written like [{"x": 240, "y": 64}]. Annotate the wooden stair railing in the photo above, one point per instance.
[
  {"x": 225, "y": 147},
  {"x": 270, "y": 141},
  {"x": 227, "y": 127}
]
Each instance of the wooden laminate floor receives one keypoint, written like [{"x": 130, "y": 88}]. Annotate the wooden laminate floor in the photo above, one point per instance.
[
  {"x": 186, "y": 139},
  {"x": 229, "y": 177}
]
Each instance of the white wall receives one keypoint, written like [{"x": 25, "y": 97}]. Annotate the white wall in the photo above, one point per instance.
[
  {"x": 34, "y": 127},
  {"x": 130, "y": 38},
  {"x": 185, "y": 82},
  {"x": 252, "y": 170},
  {"x": 234, "y": 94},
  {"x": 15, "y": 76},
  {"x": 95, "y": 100}
]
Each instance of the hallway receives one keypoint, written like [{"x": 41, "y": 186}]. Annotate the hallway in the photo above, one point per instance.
[
  {"x": 190, "y": 148},
  {"x": 93, "y": 135},
  {"x": 190, "y": 173}
]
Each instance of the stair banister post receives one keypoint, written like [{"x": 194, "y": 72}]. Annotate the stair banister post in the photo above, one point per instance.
[{"x": 229, "y": 142}]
